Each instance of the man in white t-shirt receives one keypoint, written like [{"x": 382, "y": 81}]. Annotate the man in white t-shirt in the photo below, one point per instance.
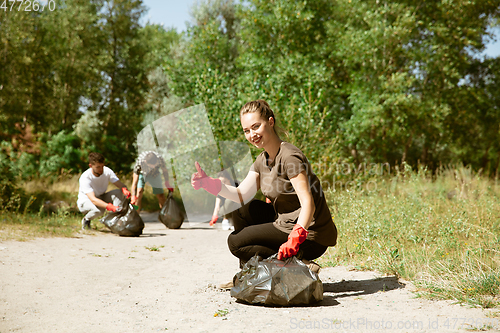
[{"x": 93, "y": 199}]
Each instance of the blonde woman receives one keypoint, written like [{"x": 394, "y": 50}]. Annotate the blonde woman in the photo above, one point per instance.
[{"x": 298, "y": 221}]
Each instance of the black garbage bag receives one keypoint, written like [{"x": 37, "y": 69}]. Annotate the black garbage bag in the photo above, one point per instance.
[
  {"x": 170, "y": 214},
  {"x": 276, "y": 282},
  {"x": 126, "y": 222}
]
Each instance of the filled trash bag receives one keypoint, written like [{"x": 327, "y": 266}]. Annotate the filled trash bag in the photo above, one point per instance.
[
  {"x": 276, "y": 282},
  {"x": 126, "y": 222},
  {"x": 170, "y": 214}
]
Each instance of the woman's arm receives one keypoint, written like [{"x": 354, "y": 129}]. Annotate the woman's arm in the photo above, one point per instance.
[
  {"x": 218, "y": 200},
  {"x": 244, "y": 192},
  {"x": 301, "y": 185},
  {"x": 299, "y": 232},
  {"x": 135, "y": 180},
  {"x": 164, "y": 171},
  {"x": 217, "y": 207}
]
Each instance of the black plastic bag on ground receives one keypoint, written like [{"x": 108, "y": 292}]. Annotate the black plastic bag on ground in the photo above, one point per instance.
[
  {"x": 170, "y": 214},
  {"x": 276, "y": 282},
  {"x": 126, "y": 222}
]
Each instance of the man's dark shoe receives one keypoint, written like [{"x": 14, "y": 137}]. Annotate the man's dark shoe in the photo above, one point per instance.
[{"x": 85, "y": 224}]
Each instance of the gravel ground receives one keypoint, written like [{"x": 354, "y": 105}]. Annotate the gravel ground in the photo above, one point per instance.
[{"x": 100, "y": 282}]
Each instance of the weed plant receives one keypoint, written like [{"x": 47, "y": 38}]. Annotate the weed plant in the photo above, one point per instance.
[{"x": 442, "y": 232}]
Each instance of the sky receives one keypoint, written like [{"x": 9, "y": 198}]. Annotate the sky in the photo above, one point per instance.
[
  {"x": 175, "y": 13},
  {"x": 172, "y": 13}
]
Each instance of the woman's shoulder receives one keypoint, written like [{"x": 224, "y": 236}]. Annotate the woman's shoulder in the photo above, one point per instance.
[
  {"x": 288, "y": 149},
  {"x": 261, "y": 156},
  {"x": 260, "y": 160}
]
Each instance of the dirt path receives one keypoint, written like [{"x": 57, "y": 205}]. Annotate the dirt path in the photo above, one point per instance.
[{"x": 100, "y": 282}]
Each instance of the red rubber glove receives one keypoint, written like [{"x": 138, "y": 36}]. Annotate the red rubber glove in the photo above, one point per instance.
[
  {"x": 213, "y": 220},
  {"x": 291, "y": 246},
  {"x": 126, "y": 192},
  {"x": 268, "y": 200},
  {"x": 201, "y": 180},
  {"x": 133, "y": 200},
  {"x": 167, "y": 185},
  {"x": 112, "y": 208}
]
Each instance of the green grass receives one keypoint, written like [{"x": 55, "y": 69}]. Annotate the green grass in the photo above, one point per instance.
[
  {"x": 221, "y": 313},
  {"x": 442, "y": 233},
  {"x": 22, "y": 227},
  {"x": 154, "y": 248}
]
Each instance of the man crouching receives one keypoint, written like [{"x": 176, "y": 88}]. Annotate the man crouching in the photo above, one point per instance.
[{"x": 93, "y": 199}]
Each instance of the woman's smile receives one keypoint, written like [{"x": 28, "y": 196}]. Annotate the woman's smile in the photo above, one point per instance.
[{"x": 256, "y": 140}]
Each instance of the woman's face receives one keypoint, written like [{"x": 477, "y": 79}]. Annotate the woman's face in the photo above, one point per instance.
[
  {"x": 150, "y": 164},
  {"x": 258, "y": 131}
]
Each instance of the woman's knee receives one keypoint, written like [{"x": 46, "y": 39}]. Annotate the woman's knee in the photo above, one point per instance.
[
  {"x": 236, "y": 244},
  {"x": 312, "y": 250},
  {"x": 233, "y": 244},
  {"x": 254, "y": 212}
]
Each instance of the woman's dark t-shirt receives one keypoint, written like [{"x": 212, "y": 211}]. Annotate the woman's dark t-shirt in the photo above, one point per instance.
[{"x": 275, "y": 184}]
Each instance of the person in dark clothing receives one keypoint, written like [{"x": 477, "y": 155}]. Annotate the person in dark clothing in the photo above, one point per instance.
[{"x": 297, "y": 221}]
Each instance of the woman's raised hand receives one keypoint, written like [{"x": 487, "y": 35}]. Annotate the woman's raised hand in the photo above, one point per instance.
[{"x": 200, "y": 179}]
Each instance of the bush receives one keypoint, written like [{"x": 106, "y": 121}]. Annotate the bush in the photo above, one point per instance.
[{"x": 62, "y": 152}]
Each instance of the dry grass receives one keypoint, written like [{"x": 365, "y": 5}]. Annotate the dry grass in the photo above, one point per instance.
[
  {"x": 22, "y": 227},
  {"x": 441, "y": 232}
]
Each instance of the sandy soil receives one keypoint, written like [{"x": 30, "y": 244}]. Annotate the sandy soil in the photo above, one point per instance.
[{"x": 100, "y": 282}]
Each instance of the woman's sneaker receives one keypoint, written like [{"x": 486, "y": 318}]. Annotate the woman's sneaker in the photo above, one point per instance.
[
  {"x": 312, "y": 265},
  {"x": 85, "y": 224},
  {"x": 229, "y": 285},
  {"x": 226, "y": 286}
]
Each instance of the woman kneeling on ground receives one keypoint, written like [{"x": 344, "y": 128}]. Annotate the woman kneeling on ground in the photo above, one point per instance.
[{"x": 297, "y": 222}]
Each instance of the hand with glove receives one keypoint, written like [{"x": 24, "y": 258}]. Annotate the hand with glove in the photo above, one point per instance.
[
  {"x": 167, "y": 185},
  {"x": 112, "y": 208},
  {"x": 295, "y": 238},
  {"x": 201, "y": 180},
  {"x": 126, "y": 192},
  {"x": 213, "y": 220}
]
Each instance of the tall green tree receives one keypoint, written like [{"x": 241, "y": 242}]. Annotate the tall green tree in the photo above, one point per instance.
[
  {"x": 159, "y": 99},
  {"x": 20, "y": 34},
  {"x": 71, "y": 48},
  {"x": 285, "y": 58},
  {"x": 362, "y": 81},
  {"x": 407, "y": 62},
  {"x": 203, "y": 65},
  {"x": 49, "y": 61},
  {"x": 124, "y": 76}
]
